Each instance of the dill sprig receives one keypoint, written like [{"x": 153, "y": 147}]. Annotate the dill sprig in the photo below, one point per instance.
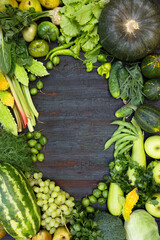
[{"x": 15, "y": 150}]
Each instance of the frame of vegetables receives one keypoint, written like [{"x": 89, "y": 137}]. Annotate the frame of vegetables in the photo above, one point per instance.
[{"x": 125, "y": 203}]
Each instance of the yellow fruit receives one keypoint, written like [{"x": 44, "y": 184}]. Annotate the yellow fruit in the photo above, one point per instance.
[
  {"x": 49, "y": 4},
  {"x": 27, "y": 4},
  {"x": 4, "y": 85},
  {"x": 4, "y": 2}
]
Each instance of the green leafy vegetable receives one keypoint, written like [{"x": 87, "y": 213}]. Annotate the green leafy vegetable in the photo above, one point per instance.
[
  {"x": 15, "y": 150},
  {"x": 21, "y": 75},
  {"x": 37, "y": 68},
  {"x": 79, "y": 20},
  {"x": 143, "y": 178},
  {"x": 141, "y": 225},
  {"x": 7, "y": 120},
  {"x": 5, "y": 57}
]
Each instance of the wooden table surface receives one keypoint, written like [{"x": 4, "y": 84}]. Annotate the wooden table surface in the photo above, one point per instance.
[{"x": 76, "y": 110}]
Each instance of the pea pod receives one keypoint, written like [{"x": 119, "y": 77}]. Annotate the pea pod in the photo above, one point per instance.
[{"x": 113, "y": 79}]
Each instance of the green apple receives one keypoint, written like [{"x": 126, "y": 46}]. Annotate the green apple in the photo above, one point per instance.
[
  {"x": 152, "y": 146},
  {"x": 153, "y": 205},
  {"x": 155, "y": 165}
]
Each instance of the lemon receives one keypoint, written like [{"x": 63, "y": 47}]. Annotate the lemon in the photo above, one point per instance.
[
  {"x": 50, "y": 4},
  {"x": 3, "y": 2},
  {"x": 27, "y": 4}
]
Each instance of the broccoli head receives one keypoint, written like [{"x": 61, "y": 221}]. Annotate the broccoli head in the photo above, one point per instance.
[{"x": 111, "y": 226}]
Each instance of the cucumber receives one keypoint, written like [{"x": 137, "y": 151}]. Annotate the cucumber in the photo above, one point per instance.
[
  {"x": 127, "y": 110},
  {"x": 113, "y": 79},
  {"x": 122, "y": 76}
]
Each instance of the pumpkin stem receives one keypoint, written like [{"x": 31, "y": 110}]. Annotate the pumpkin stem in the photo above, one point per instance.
[{"x": 131, "y": 26}]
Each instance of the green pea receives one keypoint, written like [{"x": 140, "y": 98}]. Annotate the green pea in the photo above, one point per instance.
[
  {"x": 105, "y": 193},
  {"x": 34, "y": 157},
  {"x": 39, "y": 84},
  {"x": 90, "y": 209},
  {"x": 102, "y": 58},
  {"x": 33, "y": 91},
  {"x": 34, "y": 150},
  {"x": 29, "y": 135},
  {"x": 49, "y": 65},
  {"x": 92, "y": 199},
  {"x": 97, "y": 193},
  {"x": 56, "y": 60},
  {"x": 37, "y": 134},
  {"x": 43, "y": 140},
  {"x": 61, "y": 39},
  {"x": 38, "y": 146},
  {"x": 40, "y": 157},
  {"x": 32, "y": 142},
  {"x": 102, "y": 186},
  {"x": 101, "y": 201},
  {"x": 32, "y": 77},
  {"x": 85, "y": 202}
]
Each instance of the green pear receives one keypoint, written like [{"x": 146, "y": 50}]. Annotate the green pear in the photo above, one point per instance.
[
  {"x": 4, "y": 2},
  {"x": 62, "y": 234},
  {"x": 27, "y": 4},
  {"x": 42, "y": 235}
]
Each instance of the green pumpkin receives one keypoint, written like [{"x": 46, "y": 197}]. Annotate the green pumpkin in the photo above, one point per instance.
[
  {"x": 151, "y": 89},
  {"x": 151, "y": 66},
  {"x": 148, "y": 118},
  {"x": 130, "y": 30}
]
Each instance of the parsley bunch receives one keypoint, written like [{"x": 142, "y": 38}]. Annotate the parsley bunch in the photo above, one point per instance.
[{"x": 144, "y": 180}]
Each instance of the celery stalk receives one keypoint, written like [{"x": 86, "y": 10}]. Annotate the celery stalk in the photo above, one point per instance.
[{"x": 27, "y": 95}]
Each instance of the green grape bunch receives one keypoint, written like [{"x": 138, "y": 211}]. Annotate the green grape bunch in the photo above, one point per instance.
[{"x": 55, "y": 204}]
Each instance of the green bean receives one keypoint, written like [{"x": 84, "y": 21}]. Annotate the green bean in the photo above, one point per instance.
[
  {"x": 125, "y": 138},
  {"x": 125, "y": 130},
  {"x": 119, "y": 147},
  {"x": 63, "y": 46},
  {"x": 125, "y": 124},
  {"x": 119, "y": 129},
  {"x": 115, "y": 138},
  {"x": 127, "y": 148}
]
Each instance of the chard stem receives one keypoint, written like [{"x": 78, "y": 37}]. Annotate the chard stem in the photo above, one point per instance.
[{"x": 18, "y": 104}]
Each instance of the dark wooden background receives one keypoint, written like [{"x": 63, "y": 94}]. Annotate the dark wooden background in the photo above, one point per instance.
[{"x": 76, "y": 110}]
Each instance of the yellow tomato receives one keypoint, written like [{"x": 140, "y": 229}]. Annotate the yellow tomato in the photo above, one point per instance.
[{"x": 49, "y": 4}]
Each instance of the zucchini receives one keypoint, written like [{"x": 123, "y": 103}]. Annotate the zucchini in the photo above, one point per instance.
[
  {"x": 151, "y": 89},
  {"x": 148, "y": 118},
  {"x": 115, "y": 202}
]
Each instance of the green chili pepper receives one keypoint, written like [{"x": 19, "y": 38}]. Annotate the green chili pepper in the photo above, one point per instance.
[
  {"x": 63, "y": 46},
  {"x": 65, "y": 52}
]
